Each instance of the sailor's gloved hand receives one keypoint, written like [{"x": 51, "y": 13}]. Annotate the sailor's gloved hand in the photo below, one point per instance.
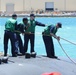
[{"x": 58, "y": 38}]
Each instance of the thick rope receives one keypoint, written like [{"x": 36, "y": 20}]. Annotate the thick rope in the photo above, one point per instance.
[
  {"x": 68, "y": 41},
  {"x": 66, "y": 53}
]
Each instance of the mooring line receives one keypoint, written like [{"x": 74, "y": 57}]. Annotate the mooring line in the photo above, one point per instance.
[
  {"x": 66, "y": 53},
  {"x": 68, "y": 41}
]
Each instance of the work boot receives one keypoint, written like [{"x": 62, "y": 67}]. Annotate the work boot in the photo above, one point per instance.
[
  {"x": 27, "y": 55},
  {"x": 0, "y": 61},
  {"x": 33, "y": 54}
]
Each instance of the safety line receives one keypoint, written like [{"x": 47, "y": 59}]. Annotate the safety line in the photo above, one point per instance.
[
  {"x": 47, "y": 35},
  {"x": 66, "y": 53},
  {"x": 68, "y": 41}
]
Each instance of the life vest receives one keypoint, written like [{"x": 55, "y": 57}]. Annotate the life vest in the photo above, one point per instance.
[
  {"x": 31, "y": 27},
  {"x": 47, "y": 30},
  {"x": 10, "y": 24}
]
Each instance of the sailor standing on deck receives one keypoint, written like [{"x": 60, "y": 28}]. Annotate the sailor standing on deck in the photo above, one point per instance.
[
  {"x": 30, "y": 33},
  {"x": 9, "y": 34},
  {"x": 47, "y": 38},
  {"x": 20, "y": 29}
]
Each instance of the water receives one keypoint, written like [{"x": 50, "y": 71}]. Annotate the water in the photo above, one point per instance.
[{"x": 67, "y": 31}]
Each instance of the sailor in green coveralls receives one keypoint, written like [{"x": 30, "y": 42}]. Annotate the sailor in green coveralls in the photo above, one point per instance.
[
  {"x": 30, "y": 33},
  {"x": 47, "y": 38},
  {"x": 10, "y": 26}
]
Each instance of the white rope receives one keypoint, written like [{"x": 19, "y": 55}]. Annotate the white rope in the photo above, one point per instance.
[
  {"x": 68, "y": 41},
  {"x": 66, "y": 53},
  {"x": 63, "y": 49}
]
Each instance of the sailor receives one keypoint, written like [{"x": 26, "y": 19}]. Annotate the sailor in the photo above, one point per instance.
[
  {"x": 10, "y": 26},
  {"x": 20, "y": 29},
  {"x": 30, "y": 33},
  {"x": 48, "y": 41}
]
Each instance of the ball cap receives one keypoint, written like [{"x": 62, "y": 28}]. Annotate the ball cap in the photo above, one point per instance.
[
  {"x": 14, "y": 15},
  {"x": 32, "y": 15},
  {"x": 25, "y": 19},
  {"x": 59, "y": 24}
]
